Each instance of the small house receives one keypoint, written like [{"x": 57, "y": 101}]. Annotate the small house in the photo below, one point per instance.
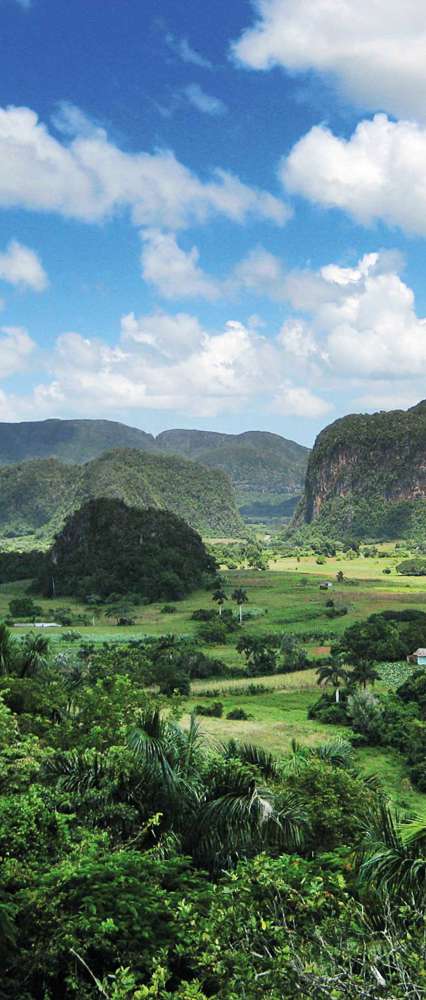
[
  {"x": 419, "y": 657},
  {"x": 326, "y": 585}
]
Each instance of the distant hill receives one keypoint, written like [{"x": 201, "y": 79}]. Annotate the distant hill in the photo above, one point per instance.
[
  {"x": 366, "y": 477},
  {"x": 261, "y": 466},
  {"x": 69, "y": 440},
  {"x": 37, "y": 496}
]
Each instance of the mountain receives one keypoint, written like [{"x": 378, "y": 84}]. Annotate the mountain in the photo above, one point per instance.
[
  {"x": 106, "y": 547},
  {"x": 366, "y": 477},
  {"x": 37, "y": 496},
  {"x": 260, "y": 465},
  {"x": 69, "y": 440},
  {"x": 265, "y": 469}
]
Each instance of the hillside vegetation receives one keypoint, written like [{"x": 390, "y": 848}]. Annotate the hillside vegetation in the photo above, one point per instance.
[
  {"x": 367, "y": 477},
  {"x": 37, "y": 496},
  {"x": 263, "y": 467},
  {"x": 108, "y": 548}
]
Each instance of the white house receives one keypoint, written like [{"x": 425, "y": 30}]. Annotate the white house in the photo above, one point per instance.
[{"x": 418, "y": 657}]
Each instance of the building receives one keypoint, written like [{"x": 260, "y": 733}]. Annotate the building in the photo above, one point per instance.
[
  {"x": 326, "y": 585},
  {"x": 418, "y": 657}
]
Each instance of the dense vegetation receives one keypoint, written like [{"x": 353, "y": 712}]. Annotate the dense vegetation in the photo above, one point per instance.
[
  {"x": 261, "y": 466},
  {"x": 108, "y": 548},
  {"x": 366, "y": 477},
  {"x": 140, "y": 861},
  {"x": 37, "y": 496}
]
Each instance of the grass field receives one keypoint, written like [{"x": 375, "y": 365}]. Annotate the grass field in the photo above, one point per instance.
[{"x": 287, "y": 598}]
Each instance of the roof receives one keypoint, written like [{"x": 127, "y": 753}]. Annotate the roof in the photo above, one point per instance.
[{"x": 419, "y": 652}]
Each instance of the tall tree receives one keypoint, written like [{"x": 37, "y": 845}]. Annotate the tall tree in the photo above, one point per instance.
[
  {"x": 240, "y": 597},
  {"x": 334, "y": 674},
  {"x": 219, "y": 597}
]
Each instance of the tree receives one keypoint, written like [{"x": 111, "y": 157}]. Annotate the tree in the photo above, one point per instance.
[
  {"x": 219, "y": 597},
  {"x": 260, "y": 653},
  {"x": 339, "y": 576},
  {"x": 7, "y": 650},
  {"x": 35, "y": 653},
  {"x": 24, "y": 607},
  {"x": 364, "y": 673},
  {"x": 332, "y": 673},
  {"x": 394, "y": 856},
  {"x": 240, "y": 597}
]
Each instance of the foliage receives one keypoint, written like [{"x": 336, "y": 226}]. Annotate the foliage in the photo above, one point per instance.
[{"x": 109, "y": 548}]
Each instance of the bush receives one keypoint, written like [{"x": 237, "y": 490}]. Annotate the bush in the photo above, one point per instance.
[
  {"x": 238, "y": 713},
  {"x": 214, "y": 711},
  {"x": 168, "y": 609},
  {"x": 215, "y": 633},
  {"x": 412, "y": 567},
  {"x": 204, "y": 615}
]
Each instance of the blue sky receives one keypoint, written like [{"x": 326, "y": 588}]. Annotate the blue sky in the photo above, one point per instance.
[{"x": 212, "y": 215}]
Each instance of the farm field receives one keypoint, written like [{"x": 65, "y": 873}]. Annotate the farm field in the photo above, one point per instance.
[{"x": 286, "y": 598}]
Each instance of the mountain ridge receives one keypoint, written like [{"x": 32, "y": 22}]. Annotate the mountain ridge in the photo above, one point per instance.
[
  {"x": 37, "y": 496},
  {"x": 260, "y": 464}
]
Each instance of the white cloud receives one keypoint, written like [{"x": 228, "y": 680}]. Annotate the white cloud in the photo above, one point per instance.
[
  {"x": 376, "y": 51},
  {"x": 300, "y": 402},
  {"x": 203, "y": 102},
  {"x": 260, "y": 272},
  {"x": 21, "y": 266},
  {"x": 377, "y": 174},
  {"x": 362, "y": 321},
  {"x": 174, "y": 272},
  {"x": 184, "y": 50},
  {"x": 165, "y": 362},
  {"x": 91, "y": 178},
  {"x": 15, "y": 349}
]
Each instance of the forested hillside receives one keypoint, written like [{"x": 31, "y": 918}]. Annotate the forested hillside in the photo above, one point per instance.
[
  {"x": 260, "y": 465},
  {"x": 37, "y": 496},
  {"x": 367, "y": 476},
  {"x": 263, "y": 467}
]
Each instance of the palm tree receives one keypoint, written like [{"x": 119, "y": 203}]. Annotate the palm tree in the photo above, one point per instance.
[
  {"x": 240, "y": 597},
  {"x": 364, "y": 673},
  {"x": 7, "y": 649},
  {"x": 35, "y": 654},
  {"x": 332, "y": 673},
  {"x": 393, "y": 856},
  {"x": 220, "y": 597}
]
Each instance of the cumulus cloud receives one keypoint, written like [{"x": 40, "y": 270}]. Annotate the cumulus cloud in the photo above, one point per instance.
[
  {"x": 174, "y": 272},
  {"x": 362, "y": 321},
  {"x": 259, "y": 272},
  {"x": 21, "y": 266},
  {"x": 203, "y": 102},
  {"x": 166, "y": 362},
  {"x": 15, "y": 348},
  {"x": 374, "y": 50},
  {"x": 377, "y": 174},
  {"x": 91, "y": 178}
]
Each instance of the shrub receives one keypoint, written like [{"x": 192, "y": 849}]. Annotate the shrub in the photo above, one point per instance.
[
  {"x": 238, "y": 713},
  {"x": 168, "y": 609},
  {"x": 213, "y": 711}
]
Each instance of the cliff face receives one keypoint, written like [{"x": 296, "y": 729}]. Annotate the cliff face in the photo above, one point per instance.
[{"x": 367, "y": 476}]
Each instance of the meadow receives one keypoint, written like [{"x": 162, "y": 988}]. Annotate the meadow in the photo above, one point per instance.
[{"x": 285, "y": 598}]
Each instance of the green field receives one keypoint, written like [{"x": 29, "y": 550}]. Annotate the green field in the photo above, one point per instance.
[{"x": 283, "y": 603}]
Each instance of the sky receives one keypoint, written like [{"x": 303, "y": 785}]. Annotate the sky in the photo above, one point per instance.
[{"x": 212, "y": 215}]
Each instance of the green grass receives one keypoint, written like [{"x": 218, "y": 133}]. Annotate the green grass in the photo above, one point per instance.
[{"x": 279, "y": 714}]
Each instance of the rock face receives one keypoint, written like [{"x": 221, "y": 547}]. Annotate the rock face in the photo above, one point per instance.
[{"x": 366, "y": 476}]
